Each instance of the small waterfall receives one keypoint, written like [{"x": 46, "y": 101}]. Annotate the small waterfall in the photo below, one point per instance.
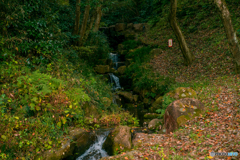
[
  {"x": 114, "y": 58},
  {"x": 115, "y": 80},
  {"x": 95, "y": 151}
]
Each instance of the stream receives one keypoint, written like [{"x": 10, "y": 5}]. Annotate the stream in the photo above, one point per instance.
[{"x": 95, "y": 151}]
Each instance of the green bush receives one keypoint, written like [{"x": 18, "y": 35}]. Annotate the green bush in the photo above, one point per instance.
[
  {"x": 130, "y": 44},
  {"x": 165, "y": 103}
]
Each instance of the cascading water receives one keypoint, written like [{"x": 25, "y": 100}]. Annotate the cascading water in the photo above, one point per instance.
[
  {"x": 115, "y": 81},
  {"x": 95, "y": 152},
  {"x": 114, "y": 58}
]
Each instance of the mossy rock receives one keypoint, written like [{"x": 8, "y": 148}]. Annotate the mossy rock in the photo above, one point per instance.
[
  {"x": 180, "y": 111},
  {"x": 154, "y": 124},
  {"x": 151, "y": 116},
  {"x": 182, "y": 92},
  {"x": 121, "y": 69},
  {"x": 119, "y": 138},
  {"x": 102, "y": 69}
]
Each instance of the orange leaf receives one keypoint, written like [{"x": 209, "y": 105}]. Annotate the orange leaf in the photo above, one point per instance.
[{"x": 125, "y": 157}]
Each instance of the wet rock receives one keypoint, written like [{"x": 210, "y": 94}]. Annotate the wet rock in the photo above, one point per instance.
[
  {"x": 118, "y": 139},
  {"x": 154, "y": 124},
  {"x": 180, "y": 111},
  {"x": 102, "y": 69}
]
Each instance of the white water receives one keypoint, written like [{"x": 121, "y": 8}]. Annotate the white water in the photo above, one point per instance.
[
  {"x": 115, "y": 81},
  {"x": 95, "y": 152},
  {"x": 114, "y": 58}
]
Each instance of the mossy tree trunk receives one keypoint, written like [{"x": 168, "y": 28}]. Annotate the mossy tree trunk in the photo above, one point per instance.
[
  {"x": 230, "y": 32},
  {"x": 188, "y": 56},
  {"x": 77, "y": 18},
  {"x": 84, "y": 23},
  {"x": 99, "y": 16}
]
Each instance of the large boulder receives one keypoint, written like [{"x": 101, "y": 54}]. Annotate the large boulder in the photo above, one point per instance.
[
  {"x": 182, "y": 92},
  {"x": 121, "y": 69},
  {"x": 154, "y": 124},
  {"x": 180, "y": 111},
  {"x": 120, "y": 27},
  {"x": 117, "y": 140},
  {"x": 102, "y": 69}
]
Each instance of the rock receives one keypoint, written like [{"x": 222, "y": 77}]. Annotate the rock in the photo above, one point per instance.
[
  {"x": 154, "y": 124},
  {"x": 183, "y": 92},
  {"x": 121, "y": 69},
  {"x": 127, "y": 96},
  {"x": 106, "y": 101},
  {"x": 125, "y": 156},
  {"x": 117, "y": 140},
  {"x": 120, "y": 27},
  {"x": 151, "y": 115},
  {"x": 162, "y": 130},
  {"x": 138, "y": 27},
  {"x": 156, "y": 51},
  {"x": 129, "y": 25},
  {"x": 180, "y": 111},
  {"x": 102, "y": 69}
]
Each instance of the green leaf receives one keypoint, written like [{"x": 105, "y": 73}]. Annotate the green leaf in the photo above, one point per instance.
[
  {"x": 4, "y": 137},
  {"x": 38, "y": 108},
  {"x": 16, "y": 117},
  {"x": 64, "y": 120},
  {"x": 59, "y": 124},
  {"x": 34, "y": 99},
  {"x": 32, "y": 105},
  {"x": 66, "y": 111}
]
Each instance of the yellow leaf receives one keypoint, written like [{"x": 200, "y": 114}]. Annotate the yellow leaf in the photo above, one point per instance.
[
  {"x": 210, "y": 157},
  {"x": 16, "y": 117},
  {"x": 70, "y": 106},
  {"x": 16, "y": 48}
]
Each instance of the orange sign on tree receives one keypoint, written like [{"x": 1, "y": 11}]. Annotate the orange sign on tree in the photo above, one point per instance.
[{"x": 170, "y": 43}]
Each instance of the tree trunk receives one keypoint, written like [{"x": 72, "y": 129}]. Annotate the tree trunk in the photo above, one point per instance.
[
  {"x": 84, "y": 24},
  {"x": 99, "y": 16},
  {"x": 93, "y": 18},
  {"x": 188, "y": 56},
  {"x": 77, "y": 18},
  {"x": 230, "y": 32}
]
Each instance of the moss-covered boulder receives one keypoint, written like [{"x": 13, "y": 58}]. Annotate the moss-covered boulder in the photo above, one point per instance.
[
  {"x": 106, "y": 101},
  {"x": 127, "y": 97},
  {"x": 120, "y": 27},
  {"x": 154, "y": 124},
  {"x": 182, "y": 92},
  {"x": 102, "y": 69},
  {"x": 121, "y": 69},
  {"x": 118, "y": 139},
  {"x": 180, "y": 111}
]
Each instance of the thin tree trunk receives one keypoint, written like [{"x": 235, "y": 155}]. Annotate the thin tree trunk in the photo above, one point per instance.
[
  {"x": 93, "y": 18},
  {"x": 98, "y": 19},
  {"x": 77, "y": 18},
  {"x": 230, "y": 32},
  {"x": 84, "y": 24},
  {"x": 188, "y": 56}
]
